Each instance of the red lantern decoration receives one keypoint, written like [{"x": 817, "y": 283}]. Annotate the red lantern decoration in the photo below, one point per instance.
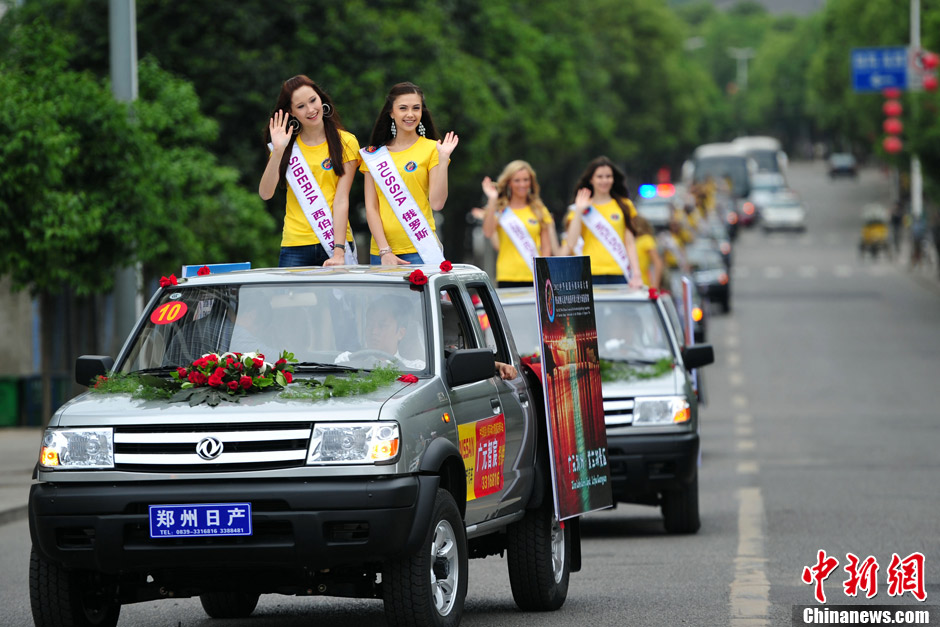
[
  {"x": 891, "y": 93},
  {"x": 930, "y": 82},
  {"x": 892, "y": 144},
  {"x": 892, "y": 126},
  {"x": 892, "y": 108},
  {"x": 930, "y": 60}
]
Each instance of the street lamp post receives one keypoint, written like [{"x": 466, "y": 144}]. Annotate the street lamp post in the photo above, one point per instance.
[
  {"x": 917, "y": 178},
  {"x": 742, "y": 56}
]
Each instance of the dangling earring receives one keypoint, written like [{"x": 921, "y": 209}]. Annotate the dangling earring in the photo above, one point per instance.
[
  {"x": 393, "y": 129},
  {"x": 421, "y": 130},
  {"x": 327, "y": 110}
]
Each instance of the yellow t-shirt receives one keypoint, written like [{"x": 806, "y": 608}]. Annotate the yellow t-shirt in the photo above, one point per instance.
[
  {"x": 510, "y": 266},
  {"x": 414, "y": 165},
  {"x": 601, "y": 261},
  {"x": 645, "y": 244},
  {"x": 297, "y": 230}
]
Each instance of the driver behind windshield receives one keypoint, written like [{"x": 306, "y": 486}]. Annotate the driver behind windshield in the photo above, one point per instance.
[{"x": 386, "y": 326}]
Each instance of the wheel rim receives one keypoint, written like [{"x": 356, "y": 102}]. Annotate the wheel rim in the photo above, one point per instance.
[
  {"x": 445, "y": 571},
  {"x": 558, "y": 550}
]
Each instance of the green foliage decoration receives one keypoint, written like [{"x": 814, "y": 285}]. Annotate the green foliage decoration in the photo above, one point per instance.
[
  {"x": 361, "y": 382},
  {"x": 620, "y": 371}
]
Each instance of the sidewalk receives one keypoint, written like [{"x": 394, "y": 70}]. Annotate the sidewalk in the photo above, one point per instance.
[{"x": 19, "y": 452}]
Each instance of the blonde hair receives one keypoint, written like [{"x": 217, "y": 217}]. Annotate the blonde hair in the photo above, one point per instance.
[{"x": 532, "y": 199}]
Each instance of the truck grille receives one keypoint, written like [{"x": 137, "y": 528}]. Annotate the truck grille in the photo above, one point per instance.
[
  {"x": 618, "y": 412},
  {"x": 223, "y": 448}
]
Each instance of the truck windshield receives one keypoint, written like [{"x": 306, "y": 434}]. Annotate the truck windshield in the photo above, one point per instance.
[
  {"x": 357, "y": 325},
  {"x": 626, "y": 330}
]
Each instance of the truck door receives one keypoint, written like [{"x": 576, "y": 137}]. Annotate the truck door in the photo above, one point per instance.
[
  {"x": 478, "y": 412},
  {"x": 518, "y": 408}
]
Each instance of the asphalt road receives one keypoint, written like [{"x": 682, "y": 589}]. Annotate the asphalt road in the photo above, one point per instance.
[{"x": 822, "y": 433}]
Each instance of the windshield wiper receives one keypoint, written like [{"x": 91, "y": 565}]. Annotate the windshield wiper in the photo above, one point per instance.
[
  {"x": 632, "y": 360},
  {"x": 157, "y": 370},
  {"x": 322, "y": 367}
]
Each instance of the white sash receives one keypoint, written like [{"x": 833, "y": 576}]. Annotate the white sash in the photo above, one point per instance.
[
  {"x": 519, "y": 236},
  {"x": 606, "y": 235},
  {"x": 386, "y": 176},
  {"x": 313, "y": 204}
]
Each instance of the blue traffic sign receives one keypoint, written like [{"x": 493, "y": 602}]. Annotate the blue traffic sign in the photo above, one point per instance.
[{"x": 874, "y": 69}]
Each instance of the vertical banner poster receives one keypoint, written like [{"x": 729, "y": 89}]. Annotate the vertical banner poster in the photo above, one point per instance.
[
  {"x": 571, "y": 379},
  {"x": 687, "y": 287}
]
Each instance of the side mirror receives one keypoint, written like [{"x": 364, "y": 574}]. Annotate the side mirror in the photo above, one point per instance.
[
  {"x": 89, "y": 367},
  {"x": 470, "y": 365},
  {"x": 697, "y": 355}
]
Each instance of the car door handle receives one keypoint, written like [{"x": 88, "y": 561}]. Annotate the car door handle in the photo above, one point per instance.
[{"x": 494, "y": 403}]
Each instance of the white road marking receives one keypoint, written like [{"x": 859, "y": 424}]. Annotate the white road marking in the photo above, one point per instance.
[
  {"x": 844, "y": 271},
  {"x": 878, "y": 270},
  {"x": 773, "y": 272},
  {"x": 734, "y": 358},
  {"x": 741, "y": 272},
  {"x": 748, "y": 468},
  {"x": 743, "y": 419},
  {"x": 731, "y": 340},
  {"x": 739, "y": 401},
  {"x": 744, "y": 431},
  {"x": 807, "y": 272},
  {"x": 746, "y": 445},
  {"x": 736, "y": 379},
  {"x": 750, "y": 590}
]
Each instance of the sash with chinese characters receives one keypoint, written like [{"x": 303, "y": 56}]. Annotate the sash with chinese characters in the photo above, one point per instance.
[
  {"x": 518, "y": 235},
  {"x": 606, "y": 235},
  {"x": 313, "y": 204},
  {"x": 386, "y": 175}
]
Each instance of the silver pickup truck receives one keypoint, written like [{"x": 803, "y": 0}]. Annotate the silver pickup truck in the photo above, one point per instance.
[{"x": 332, "y": 481}]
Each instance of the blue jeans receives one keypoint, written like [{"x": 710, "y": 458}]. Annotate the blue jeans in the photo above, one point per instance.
[
  {"x": 375, "y": 260},
  {"x": 608, "y": 279},
  {"x": 311, "y": 255}
]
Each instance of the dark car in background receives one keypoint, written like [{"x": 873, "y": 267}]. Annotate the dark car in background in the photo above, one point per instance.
[{"x": 710, "y": 273}]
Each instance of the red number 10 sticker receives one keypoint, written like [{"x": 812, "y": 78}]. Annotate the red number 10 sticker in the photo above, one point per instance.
[{"x": 168, "y": 312}]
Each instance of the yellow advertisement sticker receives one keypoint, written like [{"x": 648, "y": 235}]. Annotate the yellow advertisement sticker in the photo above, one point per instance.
[{"x": 483, "y": 447}]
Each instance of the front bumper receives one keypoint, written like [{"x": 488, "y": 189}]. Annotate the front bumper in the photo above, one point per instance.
[
  {"x": 641, "y": 466},
  {"x": 296, "y": 524}
]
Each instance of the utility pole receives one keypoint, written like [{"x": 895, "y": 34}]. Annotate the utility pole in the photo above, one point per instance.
[
  {"x": 122, "y": 20},
  {"x": 917, "y": 178}
]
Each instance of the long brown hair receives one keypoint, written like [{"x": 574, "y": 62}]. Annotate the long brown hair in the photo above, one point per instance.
[
  {"x": 618, "y": 191},
  {"x": 332, "y": 125},
  {"x": 382, "y": 129},
  {"x": 533, "y": 199}
]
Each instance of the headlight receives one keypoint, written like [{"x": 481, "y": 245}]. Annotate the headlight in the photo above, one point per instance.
[
  {"x": 660, "y": 410},
  {"x": 353, "y": 443},
  {"x": 77, "y": 448}
]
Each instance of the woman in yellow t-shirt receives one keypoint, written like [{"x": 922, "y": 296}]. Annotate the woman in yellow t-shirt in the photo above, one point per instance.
[
  {"x": 305, "y": 114},
  {"x": 647, "y": 252},
  {"x": 516, "y": 190},
  {"x": 603, "y": 186},
  {"x": 405, "y": 127}
]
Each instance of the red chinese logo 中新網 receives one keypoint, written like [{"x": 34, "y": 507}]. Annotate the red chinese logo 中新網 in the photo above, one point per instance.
[{"x": 902, "y": 575}]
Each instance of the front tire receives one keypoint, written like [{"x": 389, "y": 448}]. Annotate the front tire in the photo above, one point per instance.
[
  {"x": 539, "y": 557},
  {"x": 62, "y": 598},
  {"x": 428, "y": 588},
  {"x": 229, "y": 604},
  {"x": 680, "y": 508}
]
